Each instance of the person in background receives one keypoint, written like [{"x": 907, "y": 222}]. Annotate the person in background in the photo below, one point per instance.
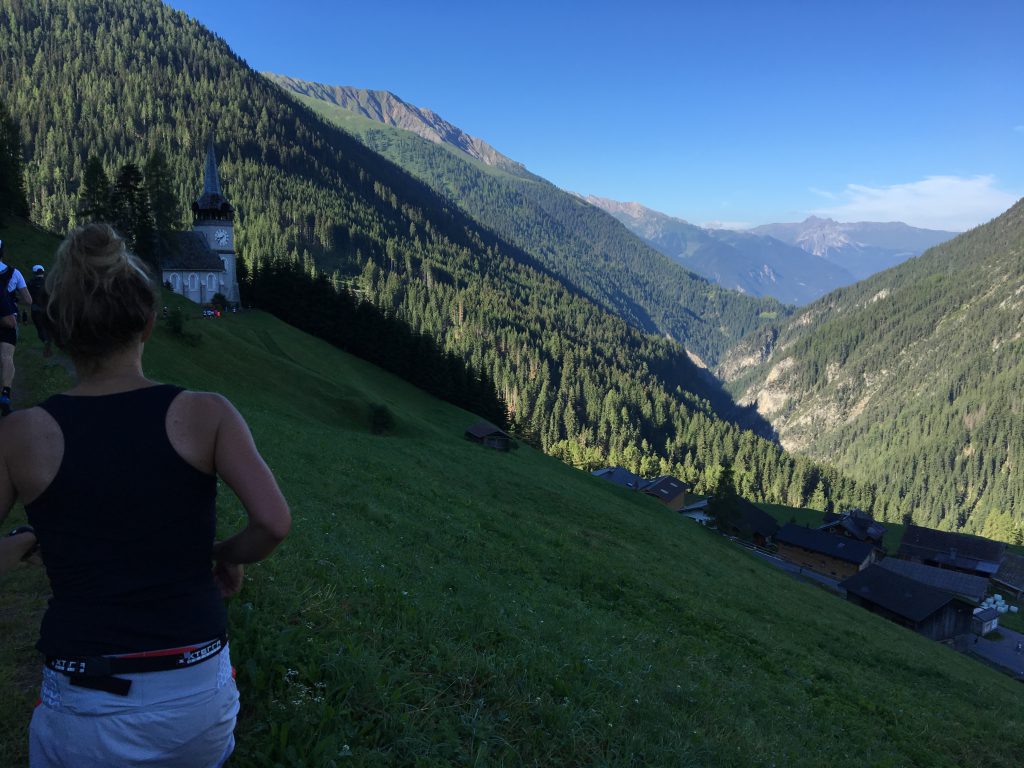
[
  {"x": 119, "y": 478},
  {"x": 37, "y": 287},
  {"x": 11, "y": 282}
]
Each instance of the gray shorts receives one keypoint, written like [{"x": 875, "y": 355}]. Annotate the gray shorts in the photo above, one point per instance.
[{"x": 182, "y": 717}]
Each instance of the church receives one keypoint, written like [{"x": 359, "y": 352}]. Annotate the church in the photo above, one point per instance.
[{"x": 202, "y": 263}]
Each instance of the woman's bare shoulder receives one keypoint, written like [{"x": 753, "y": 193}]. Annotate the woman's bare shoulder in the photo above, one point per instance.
[
  {"x": 24, "y": 425},
  {"x": 203, "y": 404}
]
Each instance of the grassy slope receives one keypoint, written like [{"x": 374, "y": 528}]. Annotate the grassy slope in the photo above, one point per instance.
[{"x": 439, "y": 604}]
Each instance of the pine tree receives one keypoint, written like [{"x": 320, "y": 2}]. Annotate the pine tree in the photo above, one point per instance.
[
  {"x": 94, "y": 193},
  {"x": 163, "y": 202},
  {"x": 12, "y": 177}
]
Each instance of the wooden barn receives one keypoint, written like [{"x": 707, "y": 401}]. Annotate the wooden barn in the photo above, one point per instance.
[
  {"x": 971, "y": 588},
  {"x": 931, "y": 612},
  {"x": 823, "y": 552},
  {"x": 489, "y": 436},
  {"x": 956, "y": 551},
  {"x": 748, "y": 521}
]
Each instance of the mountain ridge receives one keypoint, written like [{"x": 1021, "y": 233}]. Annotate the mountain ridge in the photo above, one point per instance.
[
  {"x": 388, "y": 108},
  {"x": 754, "y": 264}
]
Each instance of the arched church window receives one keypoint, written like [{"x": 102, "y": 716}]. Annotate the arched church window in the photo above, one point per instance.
[
  {"x": 211, "y": 282},
  {"x": 176, "y": 282},
  {"x": 193, "y": 281}
]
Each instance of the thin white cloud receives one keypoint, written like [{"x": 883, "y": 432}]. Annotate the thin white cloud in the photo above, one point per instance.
[
  {"x": 937, "y": 202},
  {"x": 727, "y": 225},
  {"x": 823, "y": 193}
]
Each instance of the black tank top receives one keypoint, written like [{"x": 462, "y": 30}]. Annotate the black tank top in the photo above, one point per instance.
[{"x": 126, "y": 530}]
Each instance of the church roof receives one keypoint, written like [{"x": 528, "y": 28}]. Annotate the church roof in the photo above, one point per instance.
[
  {"x": 212, "y": 198},
  {"x": 189, "y": 250}
]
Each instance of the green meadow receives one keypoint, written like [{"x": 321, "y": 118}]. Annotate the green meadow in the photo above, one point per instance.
[{"x": 439, "y": 604}]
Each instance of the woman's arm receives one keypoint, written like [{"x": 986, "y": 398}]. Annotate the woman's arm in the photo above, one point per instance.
[
  {"x": 16, "y": 549},
  {"x": 239, "y": 464}
]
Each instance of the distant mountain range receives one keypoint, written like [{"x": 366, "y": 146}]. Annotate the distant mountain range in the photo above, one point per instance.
[
  {"x": 754, "y": 264},
  {"x": 795, "y": 263},
  {"x": 862, "y": 248}
]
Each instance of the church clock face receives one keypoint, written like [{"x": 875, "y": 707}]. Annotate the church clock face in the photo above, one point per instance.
[{"x": 222, "y": 236}]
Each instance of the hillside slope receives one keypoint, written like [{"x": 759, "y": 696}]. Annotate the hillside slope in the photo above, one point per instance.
[
  {"x": 440, "y": 604},
  {"x": 576, "y": 241},
  {"x": 913, "y": 378}
]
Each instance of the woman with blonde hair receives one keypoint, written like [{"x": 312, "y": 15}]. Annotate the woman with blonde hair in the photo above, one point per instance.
[{"x": 119, "y": 476}]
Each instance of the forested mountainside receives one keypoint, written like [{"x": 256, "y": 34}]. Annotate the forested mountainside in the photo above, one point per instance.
[
  {"x": 575, "y": 241},
  {"x": 755, "y": 264},
  {"x": 117, "y": 79},
  {"x": 914, "y": 378},
  {"x": 862, "y": 247}
]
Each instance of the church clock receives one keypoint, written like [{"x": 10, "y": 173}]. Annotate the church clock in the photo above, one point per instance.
[{"x": 222, "y": 237}]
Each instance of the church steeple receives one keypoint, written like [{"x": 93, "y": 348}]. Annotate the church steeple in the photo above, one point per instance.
[
  {"x": 211, "y": 180},
  {"x": 211, "y": 203}
]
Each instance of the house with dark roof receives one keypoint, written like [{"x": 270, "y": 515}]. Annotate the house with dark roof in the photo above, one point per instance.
[
  {"x": 823, "y": 552},
  {"x": 489, "y": 436},
  {"x": 748, "y": 521},
  {"x": 1011, "y": 574},
  {"x": 855, "y": 524},
  {"x": 621, "y": 476},
  {"x": 931, "y": 612},
  {"x": 670, "y": 491},
  {"x": 956, "y": 551},
  {"x": 971, "y": 588}
]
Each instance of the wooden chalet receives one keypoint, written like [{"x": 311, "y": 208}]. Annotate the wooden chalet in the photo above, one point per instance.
[
  {"x": 854, "y": 524},
  {"x": 970, "y": 588},
  {"x": 489, "y": 436},
  {"x": 749, "y": 522},
  {"x": 823, "y": 552},
  {"x": 931, "y": 612},
  {"x": 670, "y": 491},
  {"x": 974, "y": 555}
]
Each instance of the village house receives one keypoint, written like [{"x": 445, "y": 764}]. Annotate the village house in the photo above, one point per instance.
[
  {"x": 621, "y": 476},
  {"x": 956, "y": 551},
  {"x": 931, "y": 612},
  {"x": 669, "y": 490},
  {"x": 971, "y": 588},
  {"x": 1011, "y": 574},
  {"x": 823, "y": 552},
  {"x": 748, "y": 521},
  {"x": 855, "y": 524}
]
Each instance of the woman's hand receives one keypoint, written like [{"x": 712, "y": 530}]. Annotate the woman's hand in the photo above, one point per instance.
[{"x": 228, "y": 576}]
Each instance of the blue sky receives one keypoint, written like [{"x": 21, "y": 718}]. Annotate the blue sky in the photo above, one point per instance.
[{"x": 737, "y": 112}]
